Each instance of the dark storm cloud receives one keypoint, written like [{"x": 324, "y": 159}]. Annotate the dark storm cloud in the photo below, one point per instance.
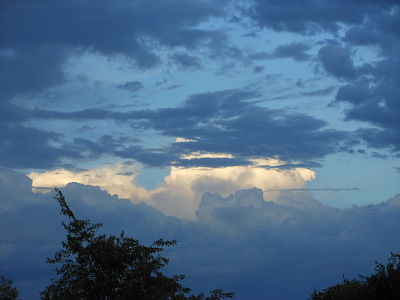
[
  {"x": 294, "y": 50},
  {"x": 380, "y": 28},
  {"x": 337, "y": 61},
  {"x": 310, "y": 17},
  {"x": 258, "y": 69},
  {"x": 185, "y": 60},
  {"x": 381, "y": 138},
  {"x": 373, "y": 94},
  {"x": 264, "y": 132},
  {"x": 377, "y": 103},
  {"x": 37, "y": 36},
  {"x": 87, "y": 114},
  {"x": 306, "y": 17},
  {"x": 29, "y": 68},
  {"x": 131, "y": 86},
  {"x": 371, "y": 89},
  {"x": 149, "y": 157},
  {"x": 23, "y": 147},
  {"x": 11, "y": 113},
  {"x": 355, "y": 94},
  {"x": 27, "y": 147},
  {"x": 240, "y": 243},
  {"x": 211, "y": 162},
  {"x": 228, "y": 121}
]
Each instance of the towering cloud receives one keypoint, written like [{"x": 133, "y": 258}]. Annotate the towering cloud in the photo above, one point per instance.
[
  {"x": 180, "y": 191},
  {"x": 265, "y": 246}
]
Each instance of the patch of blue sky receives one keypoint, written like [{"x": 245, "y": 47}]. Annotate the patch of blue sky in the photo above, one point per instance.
[
  {"x": 350, "y": 171},
  {"x": 151, "y": 178}
]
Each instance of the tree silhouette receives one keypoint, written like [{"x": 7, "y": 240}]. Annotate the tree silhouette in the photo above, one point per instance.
[
  {"x": 7, "y": 291},
  {"x": 384, "y": 284},
  {"x": 98, "y": 267}
]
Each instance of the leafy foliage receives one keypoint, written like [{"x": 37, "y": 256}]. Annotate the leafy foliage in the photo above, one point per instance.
[
  {"x": 7, "y": 291},
  {"x": 383, "y": 284},
  {"x": 100, "y": 267}
]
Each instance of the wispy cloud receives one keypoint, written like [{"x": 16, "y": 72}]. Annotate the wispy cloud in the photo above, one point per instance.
[{"x": 325, "y": 189}]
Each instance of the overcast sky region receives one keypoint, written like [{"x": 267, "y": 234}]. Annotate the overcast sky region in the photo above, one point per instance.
[{"x": 263, "y": 135}]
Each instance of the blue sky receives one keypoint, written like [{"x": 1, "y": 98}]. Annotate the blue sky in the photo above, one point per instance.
[{"x": 176, "y": 105}]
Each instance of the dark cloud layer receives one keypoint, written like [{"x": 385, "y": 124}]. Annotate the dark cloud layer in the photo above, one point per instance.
[
  {"x": 132, "y": 86},
  {"x": 14, "y": 152},
  {"x": 310, "y": 17},
  {"x": 37, "y": 38},
  {"x": 337, "y": 61},
  {"x": 227, "y": 121},
  {"x": 241, "y": 243},
  {"x": 294, "y": 50},
  {"x": 368, "y": 23},
  {"x": 372, "y": 89}
]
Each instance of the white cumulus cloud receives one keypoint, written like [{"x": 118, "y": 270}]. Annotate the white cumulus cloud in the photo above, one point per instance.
[{"x": 180, "y": 192}]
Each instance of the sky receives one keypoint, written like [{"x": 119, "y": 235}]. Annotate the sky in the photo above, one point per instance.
[{"x": 263, "y": 135}]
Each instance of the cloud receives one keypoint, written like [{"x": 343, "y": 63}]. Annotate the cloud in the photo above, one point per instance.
[
  {"x": 115, "y": 179},
  {"x": 377, "y": 29},
  {"x": 325, "y": 189},
  {"x": 293, "y": 50},
  {"x": 179, "y": 193},
  {"x": 214, "y": 141},
  {"x": 371, "y": 87},
  {"x": 47, "y": 38},
  {"x": 29, "y": 70},
  {"x": 183, "y": 187},
  {"x": 337, "y": 61},
  {"x": 221, "y": 121},
  {"x": 355, "y": 94},
  {"x": 224, "y": 121},
  {"x": 31, "y": 230},
  {"x": 227, "y": 121},
  {"x": 258, "y": 69},
  {"x": 186, "y": 61},
  {"x": 238, "y": 238},
  {"x": 309, "y": 17},
  {"x": 25, "y": 147},
  {"x": 376, "y": 103},
  {"x": 305, "y": 18},
  {"x": 380, "y": 139},
  {"x": 320, "y": 92},
  {"x": 131, "y": 86},
  {"x": 267, "y": 229}
]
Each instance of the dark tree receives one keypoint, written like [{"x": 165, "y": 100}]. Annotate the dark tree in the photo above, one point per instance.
[
  {"x": 97, "y": 267},
  {"x": 7, "y": 291},
  {"x": 384, "y": 284}
]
